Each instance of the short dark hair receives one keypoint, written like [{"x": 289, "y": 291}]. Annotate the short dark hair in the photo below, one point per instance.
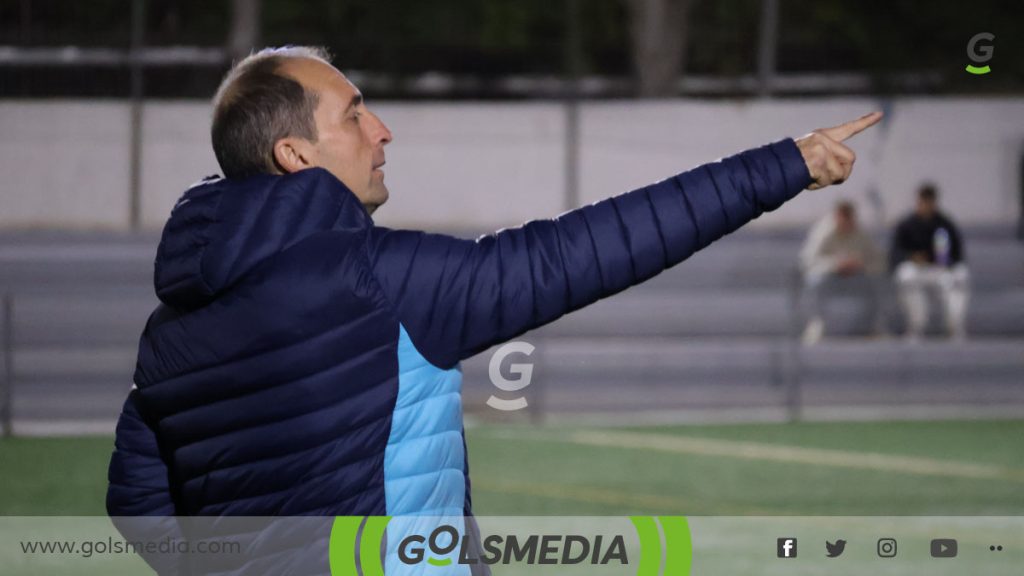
[
  {"x": 846, "y": 209},
  {"x": 928, "y": 192},
  {"x": 256, "y": 106}
]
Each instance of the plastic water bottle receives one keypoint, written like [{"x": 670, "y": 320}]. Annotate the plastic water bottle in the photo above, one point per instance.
[{"x": 940, "y": 245}]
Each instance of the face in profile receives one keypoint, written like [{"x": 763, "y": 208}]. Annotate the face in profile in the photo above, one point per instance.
[{"x": 350, "y": 139}]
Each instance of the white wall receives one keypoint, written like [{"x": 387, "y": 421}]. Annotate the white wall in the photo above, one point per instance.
[
  {"x": 64, "y": 164},
  {"x": 176, "y": 153},
  {"x": 484, "y": 165},
  {"x": 971, "y": 148}
]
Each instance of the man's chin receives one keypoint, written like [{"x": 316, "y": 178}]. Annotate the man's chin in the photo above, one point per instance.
[{"x": 379, "y": 198}]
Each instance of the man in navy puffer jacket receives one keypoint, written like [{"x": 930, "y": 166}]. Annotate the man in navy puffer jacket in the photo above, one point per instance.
[{"x": 304, "y": 361}]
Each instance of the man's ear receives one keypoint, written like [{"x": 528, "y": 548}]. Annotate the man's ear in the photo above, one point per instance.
[{"x": 293, "y": 154}]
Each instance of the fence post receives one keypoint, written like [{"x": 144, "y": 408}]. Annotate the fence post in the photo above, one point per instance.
[
  {"x": 7, "y": 354},
  {"x": 793, "y": 368},
  {"x": 573, "y": 63},
  {"x": 539, "y": 404},
  {"x": 137, "y": 71}
]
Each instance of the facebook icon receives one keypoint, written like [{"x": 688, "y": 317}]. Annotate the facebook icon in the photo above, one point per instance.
[{"x": 786, "y": 547}]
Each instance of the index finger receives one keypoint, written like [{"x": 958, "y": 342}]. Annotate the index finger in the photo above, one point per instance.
[{"x": 848, "y": 129}]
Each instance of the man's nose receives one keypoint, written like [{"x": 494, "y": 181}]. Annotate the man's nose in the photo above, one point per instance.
[{"x": 382, "y": 134}]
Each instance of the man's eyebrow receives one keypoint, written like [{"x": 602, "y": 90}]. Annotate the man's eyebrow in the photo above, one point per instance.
[{"x": 356, "y": 100}]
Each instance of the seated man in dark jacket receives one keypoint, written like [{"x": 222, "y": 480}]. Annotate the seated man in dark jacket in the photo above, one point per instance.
[
  {"x": 928, "y": 253},
  {"x": 305, "y": 361}
]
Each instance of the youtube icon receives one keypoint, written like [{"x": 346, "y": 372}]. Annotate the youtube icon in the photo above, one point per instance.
[{"x": 944, "y": 548}]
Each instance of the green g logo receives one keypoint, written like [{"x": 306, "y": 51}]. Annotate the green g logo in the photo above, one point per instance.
[{"x": 980, "y": 53}]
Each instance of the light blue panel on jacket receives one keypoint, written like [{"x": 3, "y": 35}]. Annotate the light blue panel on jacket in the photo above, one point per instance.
[{"x": 424, "y": 462}]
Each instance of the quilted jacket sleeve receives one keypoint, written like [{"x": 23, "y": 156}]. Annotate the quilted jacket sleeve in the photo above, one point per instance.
[
  {"x": 459, "y": 297},
  {"x": 138, "y": 482},
  {"x": 138, "y": 494}
]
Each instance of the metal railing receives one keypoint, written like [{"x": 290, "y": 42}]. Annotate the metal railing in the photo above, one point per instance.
[
  {"x": 793, "y": 374},
  {"x": 7, "y": 357}
]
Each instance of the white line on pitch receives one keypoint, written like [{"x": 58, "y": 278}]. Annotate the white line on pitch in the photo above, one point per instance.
[{"x": 797, "y": 454}]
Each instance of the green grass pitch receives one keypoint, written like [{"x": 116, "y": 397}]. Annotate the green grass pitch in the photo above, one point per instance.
[{"x": 869, "y": 468}]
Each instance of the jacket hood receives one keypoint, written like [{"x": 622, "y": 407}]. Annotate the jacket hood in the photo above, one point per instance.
[{"x": 221, "y": 229}]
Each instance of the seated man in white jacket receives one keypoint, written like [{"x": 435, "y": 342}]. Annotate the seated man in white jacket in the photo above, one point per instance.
[{"x": 838, "y": 251}]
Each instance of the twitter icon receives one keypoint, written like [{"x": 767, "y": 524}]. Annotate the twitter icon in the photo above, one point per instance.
[{"x": 835, "y": 550}]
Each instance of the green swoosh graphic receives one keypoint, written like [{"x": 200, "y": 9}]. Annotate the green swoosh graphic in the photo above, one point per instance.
[
  {"x": 439, "y": 561},
  {"x": 341, "y": 552},
  {"x": 976, "y": 70},
  {"x": 678, "y": 545},
  {"x": 369, "y": 546},
  {"x": 650, "y": 545}
]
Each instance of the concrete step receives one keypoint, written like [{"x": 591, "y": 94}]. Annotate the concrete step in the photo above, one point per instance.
[
  {"x": 614, "y": 375},
  {"x": 746, "y": 259},
  {"x": 755, "y": 312},
  {"x": 576, "y": 374},
  {"x": 81, "y": 318}
]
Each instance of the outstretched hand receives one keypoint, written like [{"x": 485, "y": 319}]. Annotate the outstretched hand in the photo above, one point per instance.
[{"x": 828, "y": 160}]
